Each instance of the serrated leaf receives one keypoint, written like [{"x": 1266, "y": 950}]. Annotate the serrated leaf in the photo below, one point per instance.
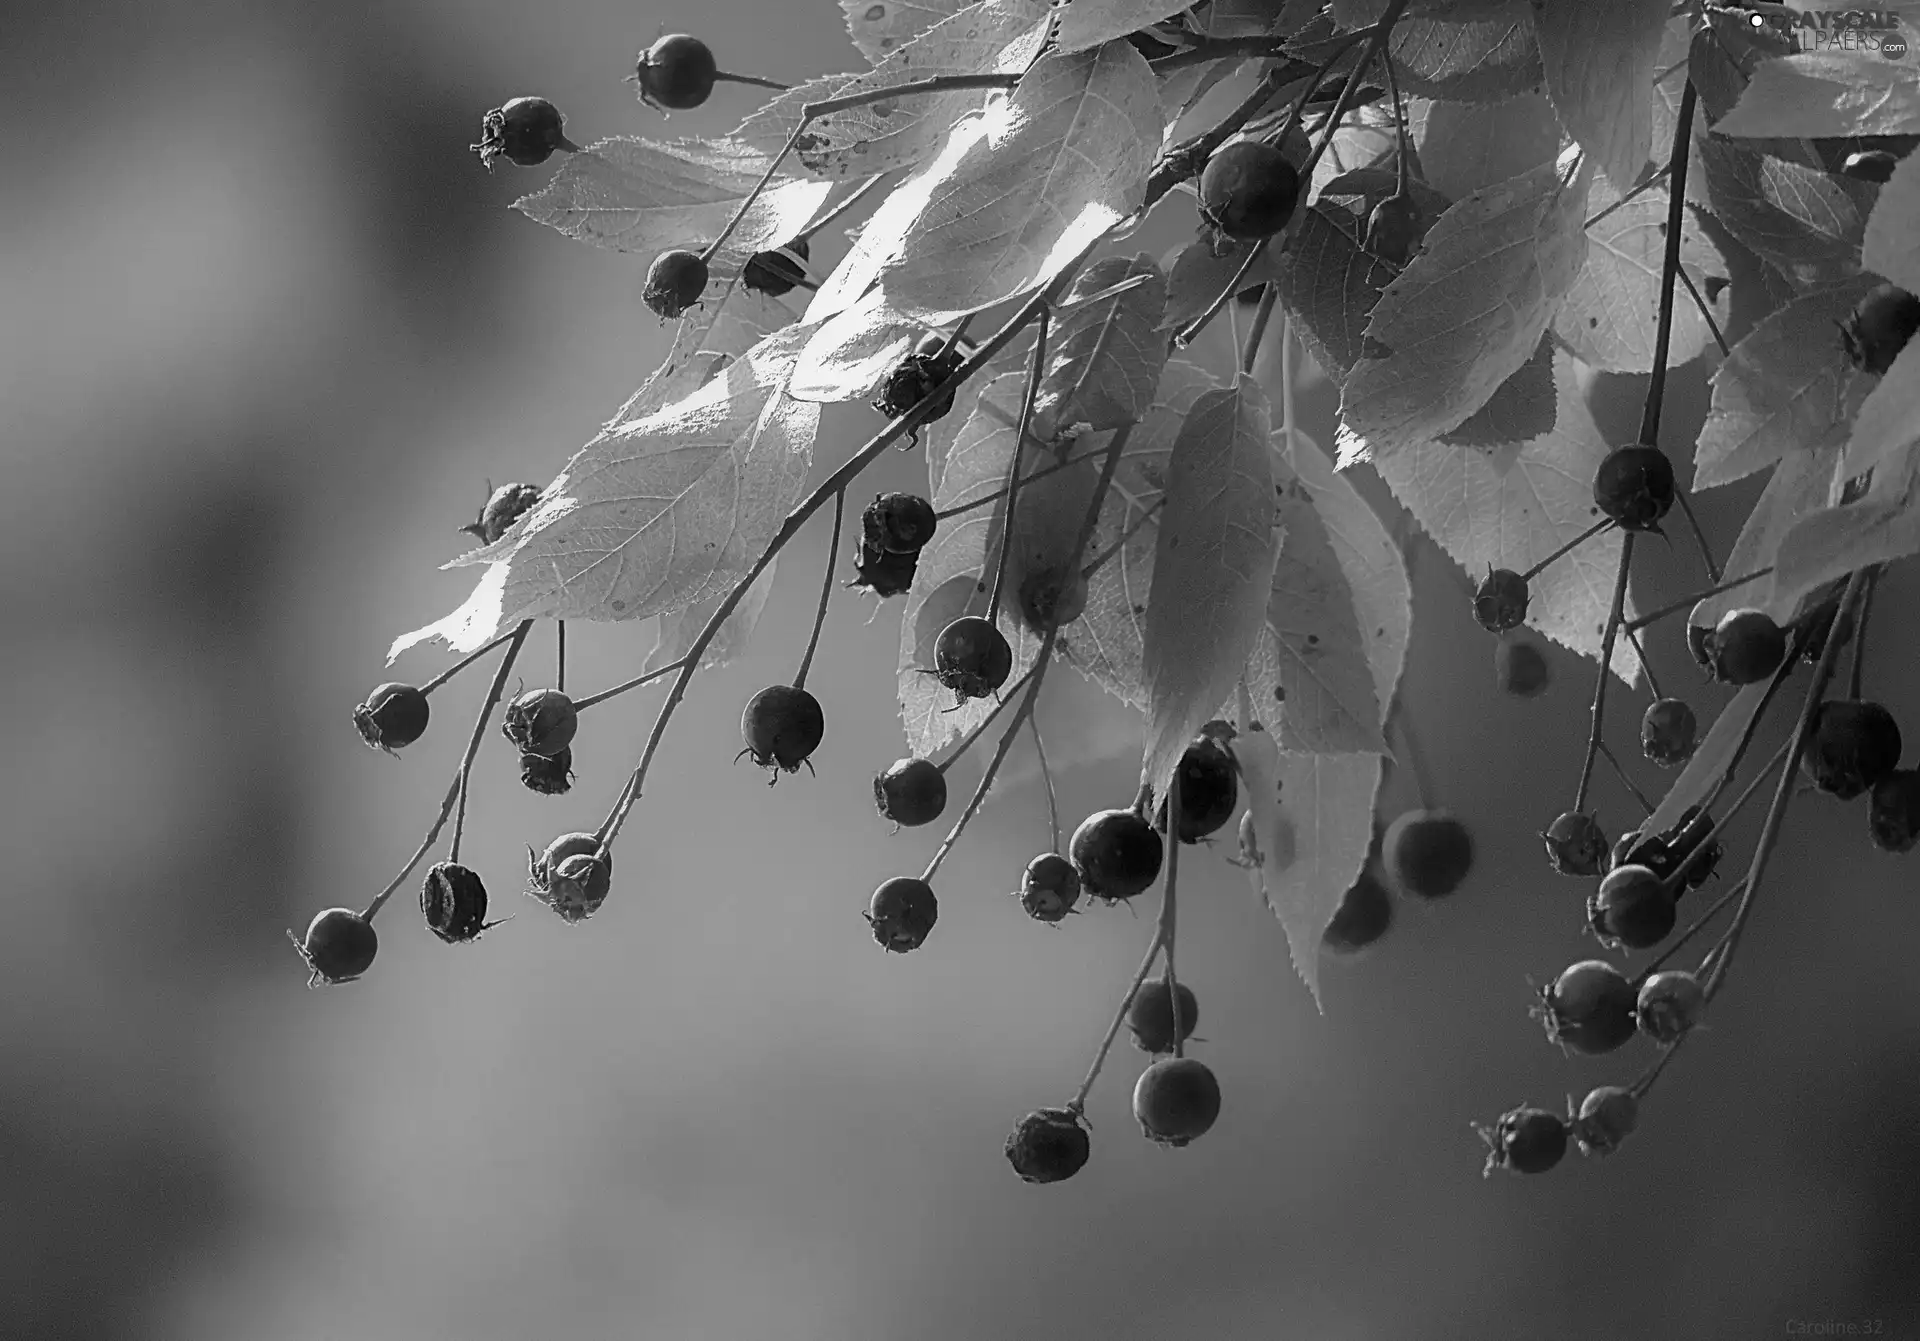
[
  {"x": 1832, "y": 542},
  {"x": 1889, "y": 417},
  {"x": 633, "y": 195},
  {"x": 1466, "y": 312},
  {"x": 679, "y": 628},
  {"x": 1826, "y": 94},
  {"x": 1212, "y": 569},
  {"x": 1104, "y": 358},
  {"x": 1611, "y": 314},
  {"x": 879, "y": 27},
  {"x": 1598, "y": 63},
  {"x": 1780, "y": 392},
  {"x": 852, "y": 351},
  {"x": 1522, "y": 408},
  {"x": 705, "y": 341},
  {"x": 1084, "y": 25},
  {"x": 1716, "y": 751},
  {"x": 1479, "y": 60},
  {"x": 1799, "y": 486},
  {"x": 1891, "y": 244},
  {"x": 1804, "y": 222},
  {"x": 660, "y": 513},
  {"x": 1467, "y": 146}
]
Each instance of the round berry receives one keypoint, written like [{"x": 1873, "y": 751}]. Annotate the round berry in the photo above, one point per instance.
[
  {"x": 572, "y": 876},
  {"x": 393, "y": 717},
  {"x": 883, "y": 572},
  {"x": 1049, "y": 887},
  {"x": 1116, "y": 854},
  {"x": 1634, "y": 848},
  {"x": 1150, "y": 1015},
  {"x": 1668, "y": 732},
  {"x": 1632, "y": 909},
  {"x": 915, "y": 377},
  {"x": 911, "y": 792},
  {"x": 1853, "y": 746},
  {"x": 971, "y": 657},
  {"x": 1427, "y": 853},
  {"x": 1870, "y": 165},
  {"x": 1745, "y": 647},
  {"x": 1176, "y": 1100},
  {"x": 547, "y": 776},
  {"x": 1052, "y": 598},
  {"x": 774, "y": 273},
  {"x": 1209, "y": 790},
  {"x": 899, "y": 523},
  {"x": 504, "y": 507},
  {"x": 339, "y": 946},
  {"x": 1588, "y": 1008},
  {"x": 1048, "y": 1146},
  {"x": 676, "y": 73},
  {"x": 1670, "y": 1004},
  {"x": 1607, "y": 1118},
  {"x": 1576, "y": 845},
  {"x": 675, "y": 281},
  {"x": 1501, "y": 602},
  {"x": 903, "y": 911},
  {"x": 1520, "y": 668},
  {"x": 540, "y": 721},
  {"x": 1894, "y": 817},
  {"x": 1879, "y": 327},
  {"x": 524, "y": 131},
  {"x": 1363, "y": 917},
  {"x": 454, "y": 902},
  {"x": 782, "y": 726},
  {"x": 1248, "y": 190},
  {"x": 1525, "y": 1140},
  {"x": 1634, "y": 486},
  {"x": 1394, "y": 229}
]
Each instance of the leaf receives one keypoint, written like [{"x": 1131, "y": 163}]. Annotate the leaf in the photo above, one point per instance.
[
  {"x": 632, "y": 195},
  {"x": 1466, "y": 312},
  {"x": 1485, "y": 59},
  {"x": 1799, "y": 485},
  {"x": 1699, "y": 779},
  {"x": 1212, "y": 569},
  {"x": 1084, "y": 25},
  {"x": 1104, "y": 358},
  {"x": 1889, "y": 417},
  {"x": 1826, "y": 94},
  {"x": 660, "y": 513},
  {"x": 705, "y": 341},
  {"x": 1891, "y": 245},
  {"x": 1523, "y": 407},
  {"x": 1598, "y": 62},
  {"x": 1467, "y": 146},
  {"x": 1804, "y": 222},
  {"x": 1780, "y": 392},
  {"x": 1197, "y": 274},
  {"x": 1883, "y": 526},
  {"x": 852, "y": 351},
  {"x": 679, "y": 628},
  {"x": 878, "y": 27}
]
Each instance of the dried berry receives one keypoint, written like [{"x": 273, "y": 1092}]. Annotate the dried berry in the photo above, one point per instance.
[
  {"x": 339, "y": 946},
  {"x": 1870, "y": 165},
  {"x": 454, "y": 902},
  {"x": 1209, "y": 790},
  {"x": 1049, "y": 887},
  {"x": 910, "y": 792},
  {"x": 393, "y": 717},
  {"x": 1176, "y": 1100},
  {"x": 675, "y": 281},
  {"x": 1893, "y": 818},
  {"x": 1427, "y": 853},
  {"x": 1669, "y": 1005},
  {"x": 1248, "y": 190},
  {"x": 1150, "y": 1015},
  {"x": 1746, "y": 646},
  {"x": 524, "y": 131},
  {"x": 1632, "y": 909},
  {"x": 1365, "y": 914},
  {"x": 1879, "y": 327},
  {"x": 547, "y": 776},
  {"x": 1394, "y": 229},
  {"x": 1116, "y": 854},
  {"x": 1853, "y": 746},
  {"x": 1576, "y": 845},
  {"x": 774, "y": 273},
  {"x": 1048, "y": 1145},
  {"x": 898, "y": 523},
  {"x": 676, "y": 73},
  {"x": 1052, "y": 598},
  {"x": 1668, "y": 732},
  {"x": 884, "y": 573},
  {"x": 1520, "y": 668},
  {"x": 572, "y": 876},
  {"x": 782, "y": 726},
  {"x": 971, "y": 657},
  {"x": 504, "y": 507},
  {"x": 1634, "y": 486},
  {"x": 1607, "y": 1117},
  {"x": 1525, "y": 1140},
  {"x": 903, "y": 911},
  {"x": 917, "y": 375},
  {"x": 1501, "y": 602},
  {"x": 540, "y": 721},
  {"x": 1588, "y": 1008}
]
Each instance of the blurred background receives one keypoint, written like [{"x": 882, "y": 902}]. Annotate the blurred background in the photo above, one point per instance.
[{"x": 266, "y": 332}]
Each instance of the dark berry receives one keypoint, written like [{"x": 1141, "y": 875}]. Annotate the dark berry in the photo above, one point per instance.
[
  {"x": 339, "y": 946},
  {"x": 1248, "y": 190},
  {"x": 1048, "y": 1146},
  {"x": 1853, "y": 746},
  {"x": 1427, "y": 853},
  {"x": 454, "y": 902},
  {"x": 903, "y": 911},
  {"x": 1150, "y": 1016},
  {"x": 1501, "y": 602},
  {"x": 1879, "y": 327},
  {"x": 524, "y": 131},
  {"x": 1634, "y": 848},
  {"x": 776, "y": 272},
  {"x": 549, "y": 776},
  {"x": 572, "y": 876},
  {"x": 675, "y": 281},
  {"x": 1394, "y": 229},
  {"x": 1634, "y": 486},
  {"x": 1116, "y": 854},
  {"x": 1632, "y": 909},
  {"x": 1894, "y": 817},
  {"x": 540, "y": 721},
  {"x": 1588, "y": 1008},
  {"x": 1520, "y": 668},
  {"x": 1052, "y": 598},
  {"x": 898, "y": 523},
  {"x": 1209, "y": 791},
  {"x": 1746, "y": 646},
  {"x": 782, "y": 726},
  {"x": 1668, "y": 732},
  {"x": 1576, "y": 845},
  {"x": 1363, "y": 917},
  {"x": 1176, "y": 1100},
  {"x": 676, "y": 73},
  {"x": 1049, "y": 887},
  {"x": 394, "y": 716},
  {"x": 1870, "y": 165},
  {"x": 1700, "y": 646},
  {"x": 504, "y": 507},
  {"x": 1607, "y": 1118},
  {"x": 1669, "y": 1005},
  {"x": 883, "y": 572},
  {"x": 972, "y": 657},
  {"x": 910, "y": 792},
  {"x": 1525, "y": 1140},
  {"x": 917, "y": 375},
  {"x": 1825, "y": 621}
]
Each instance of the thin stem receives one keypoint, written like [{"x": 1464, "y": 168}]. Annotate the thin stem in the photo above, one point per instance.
[
  {"x": 1078, "y": 1103},
  {"x": 1221, "y": 48},
  {"x": 980, "y": 502},
  {"x": 1706, "y": 313},
  {"x": 754, "y": 80},
  {"x": 1752, "y": 728},
  {"x": 580, "y": 705},
  {"x": 1038, "y": 367},
  {"x": 462, "y": 664},
  {"x": 1688, "y": 602},
  {"x": 1187, "y": 334},
  {"x": 1269, "y": 294},
  {"x": 854, "y": 198},
  {"x": 1640, "y": 655},
  {"x": 560, "y": 656},
  {"x": 826, "y": 592},
  {"x": 1701, "y": 848},
  {"x": 1644, "y": 1085},
  {"x": 1699, "y": 924},
  {"x": 1400, "y": 155},
  {"x": 1653, "y": 179},
  {"x": 1566, "y": 549},
  {"x": 1046, "y": 776},
  {"x": 1000, "y": 706},
  {"x": 1106, "y": 556},
  {"x": 1416, "y": 756},
  {"x": 1855, "y": 676},
  {"x": 1607, "y": 753},
  {"x": 1699, "y": 537},
  {"x": 1168, "y": 915},
  {"x": 1607, "y": 641},
  {"x": 1670, "y": 266},
  {"x": 952, "y": 342}
]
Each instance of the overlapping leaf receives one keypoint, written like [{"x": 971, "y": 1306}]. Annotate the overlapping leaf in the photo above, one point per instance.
[
  {"x": 1827, "y": 94},
  {"x": 1889, "y": 416},
  {"x": 1805, "y": 222},
  {"x": 1832, "y": 542},
  {"x": 1104, "y": 357},
  {"x": 1891, "y": 245},
  {"x": 1482, "y": 59},
  {"x": 705, "y": 340},
  {"x": 852, "y": 351},
  {"x": 1467, "y": 146},
  {"x": 1084, "y": 25},
  {"x": 1598, "y": 61},
  {"x": 1716, "y": 752},
  {"x": 1800, "y": 485},
  {"x": 879, "y": 27}
]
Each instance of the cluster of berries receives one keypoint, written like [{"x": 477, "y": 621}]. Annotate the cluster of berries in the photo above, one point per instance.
[{"x": 893, "y": 530}]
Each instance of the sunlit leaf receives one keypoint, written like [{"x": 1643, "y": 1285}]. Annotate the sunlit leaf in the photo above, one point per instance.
[
  {"x": 1805, "y": 222},
  {"x": 1104, "y": 357},
  {"x": 1832, "y": 542},
  {"x": 1827, "y": 94},
  {"x": 705, "y": 341},
  {"x": 1800, "y": 485},
  {"x": 1711, "y": 758},
  {"x": 879, "y": 27},
  {"x": 852, "y": 351},
  {"x": 1084, "y": 25},
  {"x": 1598, "y": 61},
  {"x": 1611, "y": 314}
]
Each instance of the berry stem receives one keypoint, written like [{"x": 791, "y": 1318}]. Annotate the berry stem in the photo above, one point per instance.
[
  {"x": 1679, "y": 873},
  {"x": 952, "y": 342},
  {"x": 1651, "y": 180},
  {"x": 826, "y": 592},
  {"x": 1046, "y": 776},
  {"x": 1400, "y": 156},
  {"x": 1038, "y": 366},
  {"x": 1706, "y": 313},
  {"x": 1640, "y": 655},
  {"x": 1100, "y": 560},
  {"x": 1699, "y": 537},
  {"x": 1000, "y": 706},
  {"x": 457, "y": 789},
  {"x": 1688, "y": 602},
  {"x": 1168, "y": 909},
  {"x": 1078, "y": 1103},
  {"x": 1699, "y": 924},
  {"x": 1606, "y": 752},
  {"x": 580, "y": 705},
  {"x": 1566, "y": 549},
  {"x": 724, "y": 77},
  {"x": 1614, "y": 621},
  {"x": 1752, "y": 728},
  {"x": 980, "y": 502},
  {"x": 560, "y": 656},
  {"x": 464, "y": 662},
  {"x": 1857, "y": 672},
  {"x": 1187, "y": 334},
  {"x": 1269, "y": 295},
  {"x": 853, "y": 198},
  {"x": 1669, "y": 267}
]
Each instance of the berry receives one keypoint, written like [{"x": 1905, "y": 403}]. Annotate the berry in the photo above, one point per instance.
[
  {"x": 339, "y": 946},
  {"x": 1116, "y": 854},
  {"x": 1209, "y": 790},
  {"x": 1248, "y": 190},
  {"x": 1879, "y": 327},
  {"x": 1525, "y": 1140},
  {"x": 540, "y": 721},
  {"x": 782, "y": 726},
  {"x": 1048, "y": 1146},
  {"x": 919, "y": 373},
  {"x": 1668, "y": 732},
  {"x": 1588, "y": 1008},
  {"x": 1176, "y": 1100},
  {"x": 776, "y": 272},
  {"x": 1052, "y": 598},
  {"x": 1520, "y": 668},
  {"x": 572, "y": 876},
  {"x": 1607, "y": 1117},
  {"x": 910, "y": 792},
  {"x": 1634, "y": 486},
  {"x": 1853, "y": 746},
  {"x": 898, "y": 523},
  {"x": 502, "y": 509},
  {"x": 1894, "y": 817},
  {"x": 393, "y": 717},
  {"x": 675, "y": 281},
  {"x": 1870, "y": 165},
  {"x": 454, "y": 903},
  {"x": 524, "y": 131},
  {"x": 903, "y": 911},
  {"x": 1576, "y": 845},
  {"x": 883, "y": 572},
  {"x": 1632, "y": 909},
  {"x": 1670, "y": 1004},
  {"x": 1427, "y": 853},
  {"x": 676, "y": 73},
  {"x": 1501, "y": 602},
  {"x": 1363, "y": 917},
  {"x": 1049, "y": 888},
  {"x": 549, "y": 776},
  {"x": 1746, "y": 646},
  {"x": 1150, "y": 1016},
  {"x": 971, "y": 657},
  {"x": 1393, "y": 229}
]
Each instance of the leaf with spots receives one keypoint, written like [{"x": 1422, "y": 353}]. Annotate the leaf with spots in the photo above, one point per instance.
[
  {"x": 880, "y": 27},
  {"x": 1104, "y": 357}
]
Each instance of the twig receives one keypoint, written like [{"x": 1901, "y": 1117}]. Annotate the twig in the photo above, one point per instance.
[
  {"x": 1607, "y": 753},
  {"x": 1095, "y": 564},
  {"x": 1046, "y": 776},
  {"x": 462, "y": 664},
  {"x": 1566, "y": 549},
  {"x": 1168, "y": 914},
  {"x": 1688, "y": 602},
  {"x": 580, "y": 705},
  {"x": 980, "y": 729},
  {"x": 1078, "y": 1103},
  {"x": 560, "y": 655},
  {"x": 1269, "y": 294},
  {"x": 852, "y": 199},
  {"x": 1607, "y": 641},
  {"x": 1670, "y": 266},
  {"x": 1700, "y": 537},
  {"x": 826, "y": 592},
  {"x": 1706, "y": 313},
  {"x": 1013, "y": 464}
]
